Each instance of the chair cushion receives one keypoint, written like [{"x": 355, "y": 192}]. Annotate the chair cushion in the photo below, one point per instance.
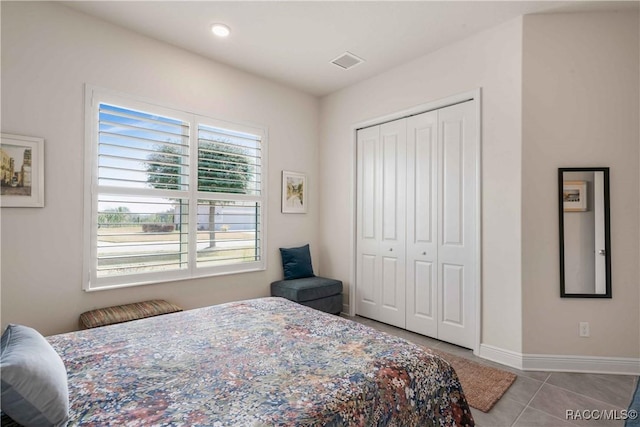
[
  {"x": 34, "y": 380},
  {"x": 126, "y": 312},
  {"x": 296, "y": 262},
  {"x": 332, "y": 304},
  {"x": 306, "y": 289}
]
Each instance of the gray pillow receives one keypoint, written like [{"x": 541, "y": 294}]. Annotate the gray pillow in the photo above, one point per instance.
[{"x": 34, "y": 379}]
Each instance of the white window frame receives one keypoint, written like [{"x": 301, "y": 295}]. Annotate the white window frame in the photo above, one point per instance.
[{"x": 94, "y": 96}]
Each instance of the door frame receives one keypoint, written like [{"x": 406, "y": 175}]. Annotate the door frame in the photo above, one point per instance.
[{"x": 473, "y": 95}]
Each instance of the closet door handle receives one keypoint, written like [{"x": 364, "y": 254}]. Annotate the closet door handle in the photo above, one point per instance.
[
  {"x": 424, "y": 253},
  {"x": 390, "y": 249}
]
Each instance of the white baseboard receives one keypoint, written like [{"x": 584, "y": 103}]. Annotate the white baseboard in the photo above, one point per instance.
[
  {"x": 500, "y": 355},
  {"x": 345, "y": 309},
  {"x": 561, "y": 363},
  {"x": 582, "y": 364}
]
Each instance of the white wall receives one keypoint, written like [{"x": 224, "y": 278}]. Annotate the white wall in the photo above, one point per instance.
[
  {"x": 490, "y": 60},
  {"x": 48, "y": 53},
  {"x": 581, "y": 108}
]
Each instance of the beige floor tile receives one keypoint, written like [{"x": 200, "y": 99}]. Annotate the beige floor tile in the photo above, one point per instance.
[
  {"x": 557, "y": 401},
  {"x": 613, "y": 389},
  {"x": 523, "y": 389},
  {"x": 503, "y": 414},
  {"x": 534, "y": 418}
]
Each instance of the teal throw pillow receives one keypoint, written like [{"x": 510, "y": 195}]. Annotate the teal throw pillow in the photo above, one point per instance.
[{"x": 296, "y": 262}]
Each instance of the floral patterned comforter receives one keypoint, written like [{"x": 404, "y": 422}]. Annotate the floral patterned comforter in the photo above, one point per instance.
[{"x": 260, "y": 362}]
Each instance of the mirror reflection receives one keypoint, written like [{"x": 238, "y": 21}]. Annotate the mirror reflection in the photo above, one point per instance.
[{"x": 585, "y": 258}]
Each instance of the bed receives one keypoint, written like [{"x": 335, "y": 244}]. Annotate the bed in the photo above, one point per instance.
[{"x": 259, "y": 362}]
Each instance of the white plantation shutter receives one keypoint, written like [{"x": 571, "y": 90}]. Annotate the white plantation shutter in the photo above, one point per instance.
[
  {"x": 129, "y": 141},
  {"x": 237, "y": 237},
  {"x": 173, "y": 195},
  {"x": 228, "y": 162}
]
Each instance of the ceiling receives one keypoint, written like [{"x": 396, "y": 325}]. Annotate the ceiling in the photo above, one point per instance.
[{"x": 294, "y": 42}]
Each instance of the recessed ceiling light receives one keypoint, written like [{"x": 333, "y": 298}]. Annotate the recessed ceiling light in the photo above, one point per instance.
[{"x": 220, "y": 30}]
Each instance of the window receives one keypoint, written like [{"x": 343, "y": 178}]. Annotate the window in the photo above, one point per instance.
[{"x": 172, "y": 195}]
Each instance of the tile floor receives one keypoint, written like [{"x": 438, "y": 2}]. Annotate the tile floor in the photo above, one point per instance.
[{"x": 538, "y": 399}]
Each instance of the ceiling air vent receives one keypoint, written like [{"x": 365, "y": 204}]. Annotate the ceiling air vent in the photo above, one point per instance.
[{"x": 347, "y": 60}]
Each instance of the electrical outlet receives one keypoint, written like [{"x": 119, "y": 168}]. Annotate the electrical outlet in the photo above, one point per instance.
[{"x": 584, "y": 329}]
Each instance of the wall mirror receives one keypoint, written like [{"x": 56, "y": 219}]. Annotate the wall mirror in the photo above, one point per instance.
[{"x": 585, "y": 245}]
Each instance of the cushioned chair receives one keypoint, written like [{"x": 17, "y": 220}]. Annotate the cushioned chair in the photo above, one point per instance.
[
  {"x": 302, "y": 286},
  {"x": 316, "y": 292}
]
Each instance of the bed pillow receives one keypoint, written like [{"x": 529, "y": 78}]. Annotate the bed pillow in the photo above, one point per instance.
[
  {"x": 34, "y": 380},
  {"x": 296, "y": 262}
]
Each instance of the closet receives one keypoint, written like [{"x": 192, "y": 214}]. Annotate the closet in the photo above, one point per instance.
[{"x": 416, "y": 237}]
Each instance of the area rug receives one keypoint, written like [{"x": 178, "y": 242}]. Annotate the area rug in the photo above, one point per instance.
[{"x": 482, "y": 385}]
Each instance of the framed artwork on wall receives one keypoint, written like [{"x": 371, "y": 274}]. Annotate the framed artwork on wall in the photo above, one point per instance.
[
  {"x": 574, "y": 196},
  {"x": 294, "y": 192},
  {"x": 22, "y": 174}
]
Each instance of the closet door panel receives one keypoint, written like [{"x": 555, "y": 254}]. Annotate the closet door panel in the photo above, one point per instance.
[
  {"x": 368, "y": 282},
  {"x": 423, "y": 184},
  {"x": 422, "y": 304},
  {"x": 390, "y": 291},
  {"x": 452, "y": 294},
  {"x": 422, "y": 217},
  {"x": 457, "y": 200},
  {"x": 393, "y": 138},
  {"x": 452, "y": 183},
  {"x": 390, "y": 187},
  {"x": 380, "y": 281},
  {"x": 368, "y": 192}
]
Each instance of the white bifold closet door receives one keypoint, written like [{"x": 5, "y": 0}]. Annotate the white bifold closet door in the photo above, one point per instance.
[
  {"x": 381, "y": 263},
  {"x": 416, "y": 223}
]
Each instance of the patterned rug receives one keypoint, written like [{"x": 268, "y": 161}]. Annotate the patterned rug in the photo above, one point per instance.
[{"x": 482, "y": 385}]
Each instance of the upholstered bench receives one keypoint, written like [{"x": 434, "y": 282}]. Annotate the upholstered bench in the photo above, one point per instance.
[
  {"x": 316, "y": 292},
  {"x": 125, "y": 313}
]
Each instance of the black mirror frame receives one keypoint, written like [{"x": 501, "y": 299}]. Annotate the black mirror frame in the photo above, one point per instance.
[{"x": 607, "y": 231}]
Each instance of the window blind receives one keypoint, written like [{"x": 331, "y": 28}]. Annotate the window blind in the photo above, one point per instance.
[
  {"x": 228, "y": 162},
  {"x": 138, "y": 149}
]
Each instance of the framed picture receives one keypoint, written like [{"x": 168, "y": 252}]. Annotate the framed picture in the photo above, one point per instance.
[
  {"x": 574, "y": 196},
  {"x": 22, "y": 174},
  {"x": 294, "y": 192}
]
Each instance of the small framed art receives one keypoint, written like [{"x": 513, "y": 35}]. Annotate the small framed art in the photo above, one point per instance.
[
  {"x": 574, "y": 196},
  {"x": 294, "y": 192},
  {"x": 22, "y": 174}
]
